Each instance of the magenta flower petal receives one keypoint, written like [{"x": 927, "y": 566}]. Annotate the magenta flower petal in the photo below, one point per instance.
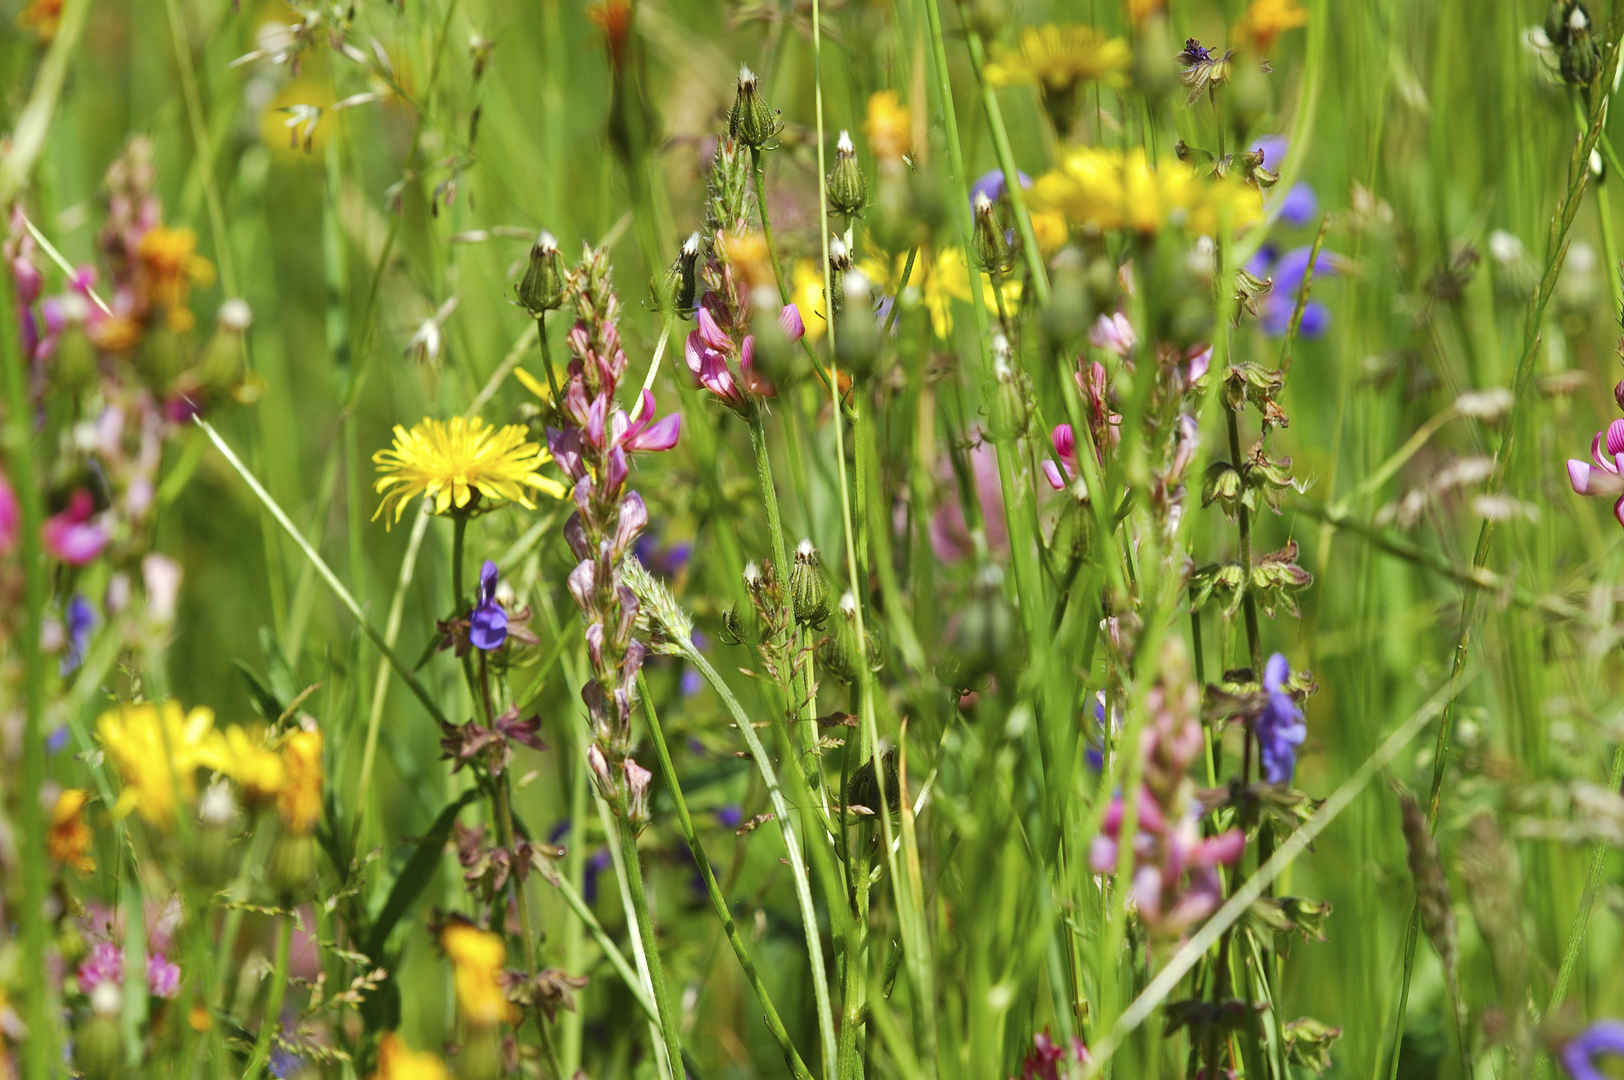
[
  {"x": 70, "y": 536},
  {"x": 1579, "y": 476},
  {"x": 1051, "y": 472},
  {"x": 660, "y": 435},
  {"x": 789, "y": 320}
]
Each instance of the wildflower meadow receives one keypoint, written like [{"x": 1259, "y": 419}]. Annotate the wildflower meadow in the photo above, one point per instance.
[{"x": 662, "y": 539}]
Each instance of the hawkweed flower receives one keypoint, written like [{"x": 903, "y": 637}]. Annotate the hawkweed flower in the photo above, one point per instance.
[
  {"x": 488, "y": 622},
  {"x": 298, "y": 803},
  {"x": 68, "y": 841},
  {"x": 1603, "y": 1038},
  {"x": 1606, "y": 477},
  {"x": 1266, "y": 20},
  {"x": 1279, "y": 728},
  {"x": 157, "y": 750},
  {"x": 476, "y": 969},
  {"x": 455, "y": 464},
  {"x": 1102, "y": 190},
  {"x": 397, "y": 1061},
  {"x": 167, "y": 267},
  {"x": 1060, "y": 58}
]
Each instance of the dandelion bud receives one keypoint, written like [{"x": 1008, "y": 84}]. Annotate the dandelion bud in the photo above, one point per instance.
[
  {"x": 542, "y": 289},
  {"x": 991, "y": 245},
  {"x": 98, "y": 1046},
  {"x": 848, "y": 191},
  {"x": 293, "y": 863},
  {"x": 214, "y": 856},
  {"x": 839, "y": 255},
  {"x": 808, "y": 592},
  {"x": 857, "y": 342},
  {"x": 752, "y": 121}
]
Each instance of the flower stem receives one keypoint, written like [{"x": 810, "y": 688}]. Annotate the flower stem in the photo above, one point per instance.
[
  {"x": 547, "y": 360},
  {"x": 626, "y": 835},
  {"x": 685, "y": 825},
  {"x": 758, "y": 173},
  {"x": 769, "y": 494},
  {"x": 272, "y": 1021}
]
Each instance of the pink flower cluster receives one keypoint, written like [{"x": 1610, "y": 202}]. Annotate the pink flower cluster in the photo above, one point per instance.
[
  {"x": 711, "y": 351},
  {"x": 1175, "y": 876}
]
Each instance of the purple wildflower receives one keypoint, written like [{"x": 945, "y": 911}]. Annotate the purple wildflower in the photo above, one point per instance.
[
  {"x": 1280, "y": 729},
  {"x": 1607, "y": 476},
  {"x": 729, "y": 816},
  {"x": 1065, "y": 448},
  {"x": 80, "y": 618},
  {"x": 104, "y": 964},
  {"x": 163, "y": 976},
  {"x": 1299, "y": 205},
  {"x": 1287, "y": 272},
  {"x": 1605, "y": 1037},
  {"x": 991, "y": 184},
  {"x": 1195, "y": 53},
  {"x": 1044, "y": 1060},
  {"x": 71, "y": 536},
  {"x": 596, "y": 863},
  {"x": 487, "y": 623},
  {"x": 10, "y": 515}
]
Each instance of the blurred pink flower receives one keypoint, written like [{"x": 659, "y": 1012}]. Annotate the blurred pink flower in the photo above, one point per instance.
[
  {"x": 9, "y": 516},
  {"x": 71, "y": 536}
]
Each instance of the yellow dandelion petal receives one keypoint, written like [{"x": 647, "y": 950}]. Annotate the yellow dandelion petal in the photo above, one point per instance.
[
  {"x": 889, "y": 126},
  {"x": 807, "y": 285},
  {"x": 1266, "y": 20},
  {"x": 157, "y": 750},
  {"x": 68, "y": 841},
  {"x": 299, "y": 800},
  {"x": 397, "y": 1061},
  {"x": 1060, "y": 57},
  {"x": 476, "y": 960},
  {"x": 449, "y": 463}
]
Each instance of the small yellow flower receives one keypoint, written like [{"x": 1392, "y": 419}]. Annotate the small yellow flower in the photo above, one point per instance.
[
  {"x": 396, "y": 1061},
  {"x": 746, "y": 253},
  {"x": 889, "y": 126},
  {"x": 299, "y": 800},
  {"x": 157, "y": 750},
  {"x": 254, "y": 766},
  {"x": 69, "y": 839},
  {"x": 1049, "y": 229},
  {"x": 170, "y": 266},
  {"x": 1061, "y": 57},
  {"x": 1140, "y": 10},
  {"x": 476, "y": 961},
  {"x": 1266, "y": 20},
  {"x": 43, "y": 17},
  {"x": 806, "y": 285},
  {"x": 1103, "y": 190},
  {"x": 450, "y": 463},
  {"x": 949, "y": 281}
]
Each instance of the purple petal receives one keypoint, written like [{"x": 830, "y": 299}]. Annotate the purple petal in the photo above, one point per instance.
[
  {"x": 1299, "y": 206},
  {"x": 1275, "y": 673}
]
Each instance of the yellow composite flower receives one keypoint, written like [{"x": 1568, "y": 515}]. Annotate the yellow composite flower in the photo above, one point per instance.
[
  {"x": 1140, "y": 10},
  {"x": 157, "y": 750},
  {"x": 1101, "y": 190},
  {"x": 396, "y": 1061},
  {"x": 889, "y": 126},
  {"x": 68, "y": 842},
  {"x": 299, "y": 801},
  {"x": 1060, "y": 57},
  {"x": 746, "y": 253},
  {"x": 948, "y": 280},
  {"x": 255, "y": 767},
  {"x": 43, "y": 17},
  {"x": 170, "y": 266},
  {"x": 476, "y": 963},
  {"x": 450, "y": 462},
  {"x": 1266, "y": 20},
  {"x": 806, "y": 287}
]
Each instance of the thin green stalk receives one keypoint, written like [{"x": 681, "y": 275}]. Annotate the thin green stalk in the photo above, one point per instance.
[
  {"x": 685, "y": 825},
  {"x": 617, "y": 960},
  {"x": 669, "y": 1019},
  {"x": 769, "y": 495},
  {"x": 391, "y": 631},
  {"x": 792, "y": 846},
  {"x": 271, "y": 1023}
]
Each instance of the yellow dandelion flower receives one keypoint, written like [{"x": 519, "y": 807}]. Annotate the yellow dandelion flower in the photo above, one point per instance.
[
  {"x": 157, "y": 750},
  {"x": 949, "y": 281},
  {"x": 43, "y": 17},
  {"x": 746, "y": 253},
  {"x": 170, "y": 266},
  {"x": 299, "y": 800},
  {"x": 1266, "y": 20},
  {"x": 253, "y": 765},
  {"x": 449, "y": 463},
  {"x": 69, "y": 839},
  {"x": 476, "y": 962},
  {"x": 1049, "y": 229},
  {"x": 1103, "y": 190},
  {"x": 1140, "y": 10},
  {"x": 806, "y": 286},
  {"x": 396, "y": 1061},
  {"x": 889, "y": 127},
  {"x": 1061, "y": 57}
]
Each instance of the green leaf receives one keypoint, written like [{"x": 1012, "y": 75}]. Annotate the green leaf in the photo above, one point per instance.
[{"x": 415, "y": 876}]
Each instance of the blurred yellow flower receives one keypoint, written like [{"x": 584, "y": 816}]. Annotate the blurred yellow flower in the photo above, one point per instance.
[
  {"x": 1140, "y": 10},
  {"x": 157, "y": 750},
  {"x": 949, "y": 281},
  {"x": 299, "y": 801},
  {"x": 169, "y": 266},
  {"x": 398, "y": 1062},
  {"x": 1102, "y": 190},
  {"x": 806, "y": 287},
  {"x": 889, "y": 126},
  {"x": 476, "y": 962},
  {"x": 69, "y": 839},
  {"x": 453, "y": 463},
  {"x": 43, "y": 17},
  {"x": 255, "y": 767},
  {"x": 1266, "y": 20},
  {"x": 746, "y": 253},
  {"x": 1049, "y": 228},
  {"x": 1060, "y": 57}
]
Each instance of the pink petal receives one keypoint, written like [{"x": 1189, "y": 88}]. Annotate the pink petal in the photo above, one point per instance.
[
  {"x": 710, "y": 333},
  {"x": 1615, "y": 437},
  {"x": 789, "y": 320},
  {"x": 1065, "y": 441},
  {"x": 1052, "y": 473},
  {"x": 661, "y": 435},
  {"x": 694, "y": 352}
]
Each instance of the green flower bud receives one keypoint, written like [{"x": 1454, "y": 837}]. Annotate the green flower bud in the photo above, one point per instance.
[
  {"x": 752, "y": 121},
  {"x": 293, "y": 863},
  {"x": 1071, "y": 310},
  {"x": 213, "y": 857},
  {"x": 991, "y": 246},
  {"x": 808, "y": 592},
  {"x": 222, "y": 363},
  {"x": 848, "y": 191},
  {"x": 857, "y": 338},
  {"x": 542, "y": 289},
  {"x": 98, "y": 1046}
]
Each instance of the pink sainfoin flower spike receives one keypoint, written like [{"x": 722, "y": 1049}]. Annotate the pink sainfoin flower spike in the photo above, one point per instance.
[
  {"x": 1606, "y": 477},
  {"x": 71, "y": 536},
  {"x": 1065, "y": 448},
  {"x": 163, "y": 976},
  {"x": 9, "y": 516},
  {"x": 709, "y": 352}
]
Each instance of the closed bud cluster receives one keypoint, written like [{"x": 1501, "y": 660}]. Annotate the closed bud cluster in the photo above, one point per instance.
[
  {"x": 808, "y": 592},
  {"x": 542, "y": 288},
  {"x": 1571, "y": 34},
  {"x": 752, "y": 121},
  {"x": 848, "y": 191}
]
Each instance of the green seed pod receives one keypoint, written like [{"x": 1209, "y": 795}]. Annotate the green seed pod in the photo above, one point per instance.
[
  {"x": 752, "y": 121},
  {"x": 991, "y": 245},
  {"x": 542, "y": 289},
  {"x": 808, "y": 592},
  {"x": 848, "y": 191}
]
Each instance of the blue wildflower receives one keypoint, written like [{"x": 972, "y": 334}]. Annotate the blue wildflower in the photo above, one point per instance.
[
  {"x": 57, "y": 739},
  {"x": 729, "y": 816},
  {"x": 1279, "y": 728},
  {"x": 596, "y": 863},
  {"x": 488, "y": 623},
  {"x": 991, "y": 184},
  {"x": 81, "y": 617},
  {"x": 1602, "y": 1037},
  {"x": 1287, "y": 271}
]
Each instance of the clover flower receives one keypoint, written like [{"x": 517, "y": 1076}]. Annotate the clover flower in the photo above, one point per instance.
[
  {"x": 1606, "y": 477},
  {"x": 454, "y": 464},
  {"x": 1605, "y": 1037},
  {"x": 1279, "y": 728}
]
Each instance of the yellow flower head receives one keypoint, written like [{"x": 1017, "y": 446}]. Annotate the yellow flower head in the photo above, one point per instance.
[
  {"x": 170, "y": 266},
  {"x": 1061, "y": 57},
  {"x": 396, "y": 1061},
  {"x": 746, "y": 253},
  {"x": 1102, "y": 190},
  {"x": 476, "y": 962},
  {"x": 1140, "y": 10},
  {"x": 69, "y": 839},
  {"x": 43, "y": 17},
  {"x": 807, "y": 285},
  {"x": 157, "y": 750},
  {"x": 450, "y": 462},
  {"x": 1266, "y": 20},
  {"x": 299, "y": 801},
  {"x": 949, "y": 281},
  {"x": 255, "y": 767},
  {"x": 889, "y": 126}
]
